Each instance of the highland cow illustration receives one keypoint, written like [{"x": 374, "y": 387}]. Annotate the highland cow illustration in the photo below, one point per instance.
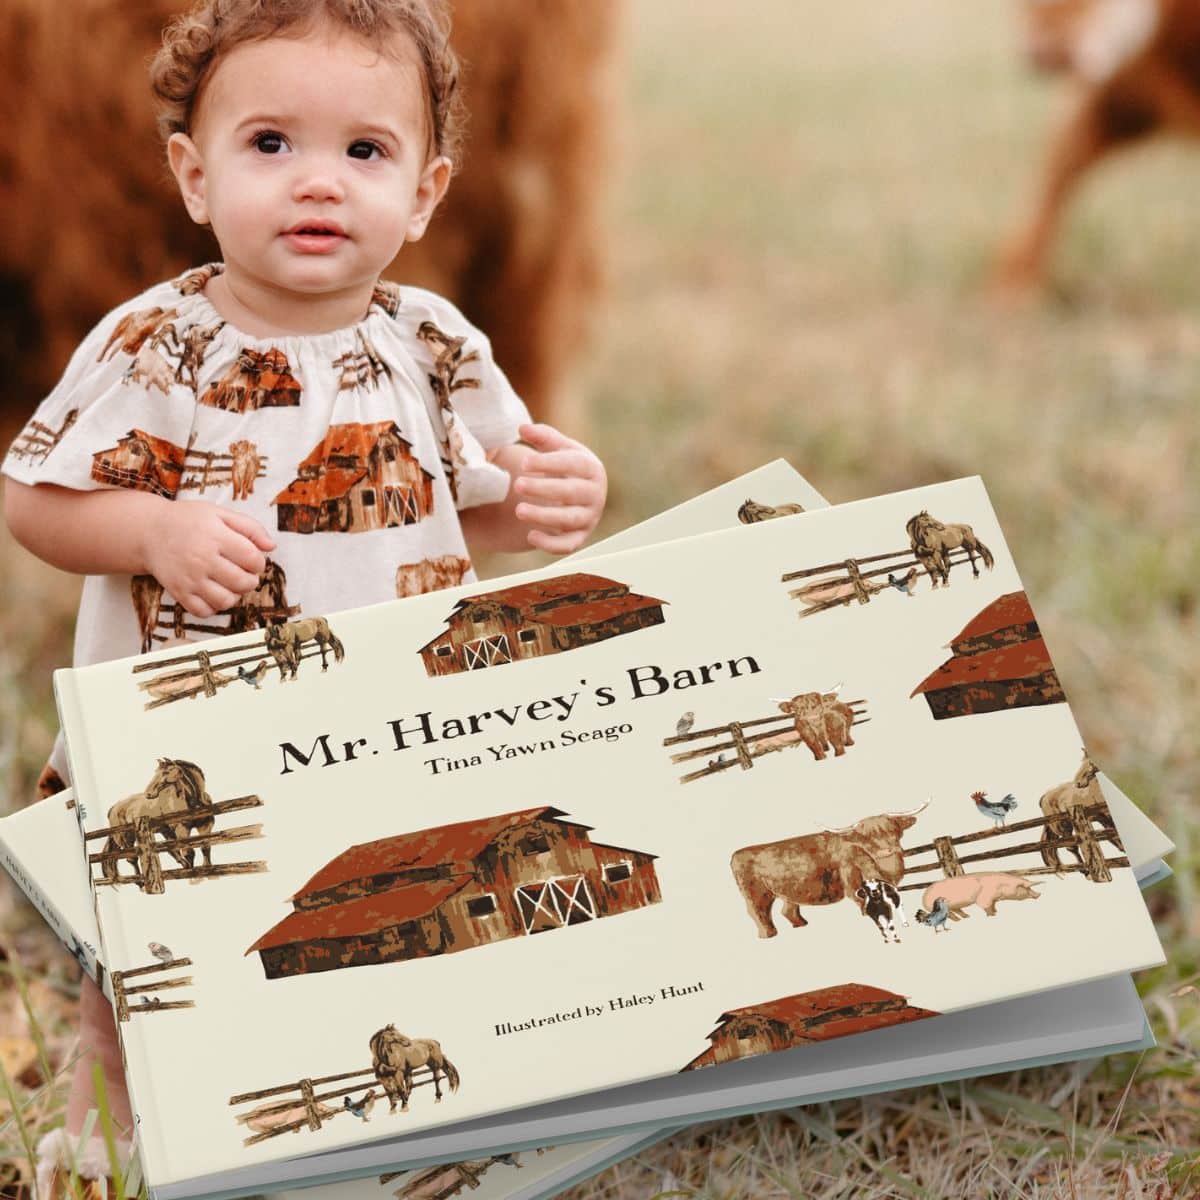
[
  {"x": 1059, "y": 804},
  {"x": 246, "y": 467},
  {"x": 999, "y": 661},
  {"x": 819, "y": 868},
  {"x": 141, "y": 462},
  {"x": 396, "y": 1058},
  {"x": 822, "y": 721},
  {"x": 430, "y": 574},
  {"x": 452, "y": 888},
  {"x": 258, "y": 379},
  {"x": 532, "y": 619},
  {"x": 815, "y": 1016},
  {"x": 361, "y": 367},
  {"x": 360, "y": 477},
  {"x": 751, "y": 512},
  {"x": 35, "y": 442},
  {"x": 932, "y": 542}
]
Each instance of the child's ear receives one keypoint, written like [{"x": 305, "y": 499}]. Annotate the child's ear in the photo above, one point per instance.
[
  {"x": 434, "y": 181},
  {"x": 188, "y": 169}
]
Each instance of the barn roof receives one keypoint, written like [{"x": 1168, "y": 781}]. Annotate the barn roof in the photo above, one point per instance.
[
  {"x": 570, "y": 615},
  {"x": 329, "y": 485},
  {"x": 1018, "y": 661},
  {"x": 272, "y": 368},
  {"x": 442, "y": 845},
  {"x": 795, "y": 1010},
  {"x": 168, "y": 458},
  {"x": 368, "y": 914},
  {"x": 542, "y": 591},
  {"x": 1010, "y": 609},
  {"x": 166, "y": 453},
  {"x": 353, "y": 440}
]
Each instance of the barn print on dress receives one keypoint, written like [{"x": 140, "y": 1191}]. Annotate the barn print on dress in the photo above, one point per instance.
[
  {"x": 819, "y": 720},
  {"x": 258, "y": 379},
  {"x": 360, "y": 477},
  {"x": 399, "y": 1065},
  {"x": 816, "y": 1016},
  {"x": 141, "y": 462},
  {"x": 933, "y": 546},
  {"x": 176, "y": 816},
  {"x": 533, "y": 619},
  {"x": 264, "y": 605},
  {"x": 35, "y": 442},
  {"x": 449, "y": 358},
  {"x": 205, "y": 671},
  {"x": 361, "y": 367},
  {"x": 998, "y": 661},
  {"x": 452, "y": 888}
]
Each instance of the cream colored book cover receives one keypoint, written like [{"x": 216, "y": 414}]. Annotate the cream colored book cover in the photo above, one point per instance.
[{"x": 515, "y": 841}]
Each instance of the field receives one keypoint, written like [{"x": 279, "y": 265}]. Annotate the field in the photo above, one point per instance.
[{"x": 807, "y": 210}]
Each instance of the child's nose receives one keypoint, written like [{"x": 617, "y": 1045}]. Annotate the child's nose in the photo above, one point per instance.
[{"x": 319, "y": 179}]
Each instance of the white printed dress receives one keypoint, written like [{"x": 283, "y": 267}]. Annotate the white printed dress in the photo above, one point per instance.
[{"x": 353, "y": 448}]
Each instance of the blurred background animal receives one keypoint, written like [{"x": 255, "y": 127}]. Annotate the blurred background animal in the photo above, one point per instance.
[
  {"x": 1137, "y": 67},
  {"x": 92, "y": 217}
]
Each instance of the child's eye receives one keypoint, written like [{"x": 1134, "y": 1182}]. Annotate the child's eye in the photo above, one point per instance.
[
  {"x": 363, "y": 150},
  {"x": 268, "y": 142}
]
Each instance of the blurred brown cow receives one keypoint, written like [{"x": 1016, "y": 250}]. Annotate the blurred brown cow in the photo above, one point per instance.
[
  {"x": 91, "y": 215},
  {"x": 1138, "y": 64}
]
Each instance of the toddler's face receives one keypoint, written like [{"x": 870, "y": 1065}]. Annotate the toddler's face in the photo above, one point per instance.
[{"x": 308, "y": 157}]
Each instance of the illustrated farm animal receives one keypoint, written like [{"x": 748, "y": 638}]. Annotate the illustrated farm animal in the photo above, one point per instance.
[
  {"x": 396, "y": 1057},
  {"x": 881, "y": 904},
  {"x": 996, "y": 810},
  {"x": 1081, "y": 792},
  {"x": 751, "y": 512},
  {"x": 984, "y": 889},
  {"x": 932, "y": 542},
  {"x": 822, "y": 720},
  {"x": 286, "y": 641},
  {"x": 820, "y": 868}
]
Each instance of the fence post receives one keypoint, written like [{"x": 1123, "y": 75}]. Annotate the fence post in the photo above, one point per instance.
[
  {"x": 118, "y": 988},
  {"x": 1090, "y": 850},
  {"x": 739, "y": 742},
  {"x": 860, "y": 588},
  {"x": 947, "y": 856},
  {"x": 310, "y": 1104},
  {"x": 148, "y": 864},
  {"x": 210, "y": 688},
  {"x": 178, "y": 616}
]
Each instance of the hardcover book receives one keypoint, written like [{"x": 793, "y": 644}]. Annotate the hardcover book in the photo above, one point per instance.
[{"x": 765, "y": 788}]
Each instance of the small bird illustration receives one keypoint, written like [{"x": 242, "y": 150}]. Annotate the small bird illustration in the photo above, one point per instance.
[
  {"x": 253, "y": 678},
  {"x": 363, "y": 1108},
  {"x": 998, "y": 810},
  {"x": 148, "y": 1002},
  {"x": 906, "y": 583},
  {"x": 160, "y": 951},
  {"x": 937, "y": 918},
  {"x": 685, "y": 723},
  {"x": 718, "y": 761}
]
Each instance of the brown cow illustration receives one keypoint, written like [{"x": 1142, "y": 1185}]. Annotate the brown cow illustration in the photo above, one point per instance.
[
  {"x": 819, "y": 868},
  {"x": 821, "y": 720},
  {"x": 430, "y": 574},
  {"x": 244, "y": 470}
]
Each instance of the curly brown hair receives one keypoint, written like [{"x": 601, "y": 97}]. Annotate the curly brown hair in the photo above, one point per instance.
[{"x": 194, "y": 43}]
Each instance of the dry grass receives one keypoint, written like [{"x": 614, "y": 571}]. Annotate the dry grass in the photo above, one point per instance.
[{"x": 802, "y": 239}]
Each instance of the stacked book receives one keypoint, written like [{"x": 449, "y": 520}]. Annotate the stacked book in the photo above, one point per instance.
[{"x": 794, "y": 788}]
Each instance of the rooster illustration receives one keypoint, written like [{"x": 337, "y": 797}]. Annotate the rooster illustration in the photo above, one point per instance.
[
  {"x": 936, "y": 918},
  {"x": 998, "y": 810},
  {"x": 363, "y": 1108}
]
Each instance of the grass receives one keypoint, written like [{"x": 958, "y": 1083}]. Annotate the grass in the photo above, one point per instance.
[{"x": 809, "y": 205}]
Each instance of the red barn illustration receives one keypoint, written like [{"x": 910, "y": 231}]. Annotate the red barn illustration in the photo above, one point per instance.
[
  {"x": 454, "y": 887},
  {"x": 259, "y": 379},
  {"x": 360, "y": 477},
  {"x": 816, "y": 1016},
  {"x": 532, "y": 619},
  {"x": 142, "y": 462},
  {"x": 998, "y": 661}
]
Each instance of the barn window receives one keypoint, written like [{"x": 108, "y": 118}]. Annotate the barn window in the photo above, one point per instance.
[
  {"x": 527, "y": 635},
  {"x": 443, "y": 651},
  {"x": 368, "y": 496},
  {"x": 536, "y": 843},
  {"x": 616, "y": 872},
  {"x": 482, "y": 906}
]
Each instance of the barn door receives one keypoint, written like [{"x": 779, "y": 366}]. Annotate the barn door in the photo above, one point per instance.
[
  {"x": 486, "y": 652},
  {"x": 573, "y": 899},
  {"x": 555, "y": 903},
  {"x": 400, "y": 506}
]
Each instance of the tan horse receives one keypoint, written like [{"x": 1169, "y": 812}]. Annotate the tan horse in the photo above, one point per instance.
[
  {"x": 396, "y": 1057},
  {"x": 932, "y": 543},
  {"x": 176, "y": 786},
  {"x": 285, "y": 643},
  {"x": 1081, "y": 792},
  {"x": 751, "y": 512}
]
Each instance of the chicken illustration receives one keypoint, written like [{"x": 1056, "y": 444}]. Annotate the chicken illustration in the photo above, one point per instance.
[
  {"x": 906, "y": 583},
  {"x": 161, "y": 952},
  {"x": 998, "y": 810},
  {"x": 685, "y": 723},
  {"x": 363, "y": 1108},
  {"x": 255, "y": 677},
  {"x": 936, "y": 919}
]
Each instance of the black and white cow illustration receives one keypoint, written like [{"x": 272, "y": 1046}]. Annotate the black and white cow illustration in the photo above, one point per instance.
[{"x": 881, "y": 903}]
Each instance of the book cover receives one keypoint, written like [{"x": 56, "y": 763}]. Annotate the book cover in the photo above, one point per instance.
[{"x": 762, "y": 787}]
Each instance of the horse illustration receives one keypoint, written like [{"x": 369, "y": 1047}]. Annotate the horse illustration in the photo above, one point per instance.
[
  {"x": 932, "y": 543},
  {"x": 1083, "y": 791},
  {"x": 751, "y": 512},
  {"x": 286, "y": 641},
  {"x": 177, "y": 786},
  {"x": 395, "y": 1058},
  {"x": 270, "y": 594}
]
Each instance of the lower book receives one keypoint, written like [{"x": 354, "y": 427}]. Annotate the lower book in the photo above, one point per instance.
[{"x": 495, "y": 1153}]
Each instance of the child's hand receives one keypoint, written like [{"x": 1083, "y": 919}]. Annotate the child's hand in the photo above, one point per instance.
[
  {"x": 566, "y": 485},
  {"x": 206, "y": 556}
]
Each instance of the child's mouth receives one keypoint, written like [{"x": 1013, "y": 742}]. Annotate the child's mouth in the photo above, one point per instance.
[{"x": 314, "y": 238}]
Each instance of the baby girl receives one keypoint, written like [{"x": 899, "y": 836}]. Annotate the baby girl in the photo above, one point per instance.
[{"x": 282, "y": 434}]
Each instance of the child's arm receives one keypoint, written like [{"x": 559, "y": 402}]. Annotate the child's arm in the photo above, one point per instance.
[
  {"x": 204, "y": 555},
  {"x": 555, "y": 500}
]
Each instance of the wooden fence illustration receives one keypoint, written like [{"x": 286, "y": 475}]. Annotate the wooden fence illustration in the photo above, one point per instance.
[
  {"x": 149, "y": 1003},
  {"x": 140, "y": 839},
  {"x": 210, "y": 468},
  {"x": 853, "y": 583},
  {"x": 173, "y": 620},
  {"x": 203, "y": 670},
  {"x": 1083, "y": 837},
  {"x": 780, "y": 733},
  {"x": 447, "y": 1180},
  {"x": 36, "y": 440},
  {"x": 301, "y": 1105}
]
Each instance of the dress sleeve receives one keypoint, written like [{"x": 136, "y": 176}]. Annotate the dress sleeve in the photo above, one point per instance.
[
  {"x": 116, "y": 418},
  {"x": 475, "y": 408}
]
